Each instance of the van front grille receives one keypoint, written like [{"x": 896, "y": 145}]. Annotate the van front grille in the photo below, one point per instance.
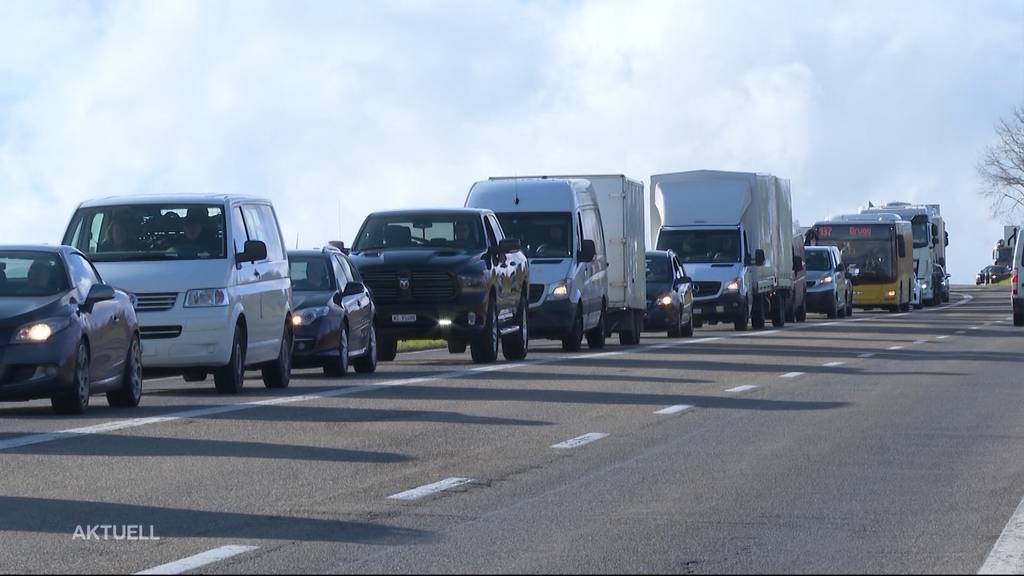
[{"x": 155, "y": 302}]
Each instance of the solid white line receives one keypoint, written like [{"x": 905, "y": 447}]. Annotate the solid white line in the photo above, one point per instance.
[
  {"x": 833, "y": 364},
  {"x": 920, "y": 341},
  {"x": 961, "y": 331},
  {"x": 200, "y": 560},
  {"x": 580, "y": 441},
  {"x": 867, "y": 355},
  {"x": 674, "y": 409},
  {"x": 943, "y": 337},
  {"x": 429, "y": 489},
  {"x": 895, "y": 348},
  {"x": 792, "y": 375},
  {"x": 744, "y": 388},
  {"x": 1007, "y": 556},
  {"x": 975, "y": 328}
]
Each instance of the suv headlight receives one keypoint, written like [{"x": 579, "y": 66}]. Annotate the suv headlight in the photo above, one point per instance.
[
  {"x": 39, "y": 332},
  {"x": 559, "y": 290},
  {"x": 733, "y": 286},
  {"x": 309, "y": 315},
  {"x": 206, "y": 298},
  {"x": 827, "y": 279}
]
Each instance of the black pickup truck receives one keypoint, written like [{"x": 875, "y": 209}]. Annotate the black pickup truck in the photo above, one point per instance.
[{"x": 448, "y": 274}]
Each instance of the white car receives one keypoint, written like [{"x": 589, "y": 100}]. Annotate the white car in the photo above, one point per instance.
[{"x": 210, "y": 277}]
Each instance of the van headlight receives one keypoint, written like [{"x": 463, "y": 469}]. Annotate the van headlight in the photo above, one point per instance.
[
  {"x": 733, "y": 286},
  {"x": 309, "y": 315},
  {"x": 39, "y": 332},
  {"x": 206, "y": 298},
  {"x": 559, "y": 290}
]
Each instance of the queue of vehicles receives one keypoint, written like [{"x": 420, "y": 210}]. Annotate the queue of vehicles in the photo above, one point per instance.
[{"x": 205, "y": 285}]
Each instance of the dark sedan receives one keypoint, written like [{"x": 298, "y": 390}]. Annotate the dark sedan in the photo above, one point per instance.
[
  {"x": 334, "y": 314},
  {"x": 669, "y": 295},
  {"x": 64, "y": 334},
  {"x": 992, "y": 275}
]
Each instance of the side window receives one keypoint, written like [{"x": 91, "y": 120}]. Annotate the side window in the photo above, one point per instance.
[
  {"x": 579, "y": 229},
  {"x": 275, "y": 245},
  {"x": 239, "y": 235},
  {"x": 353, "y": 272},
  {"x": 83, "y": 275},
  {"x": 492, "y": 240},
  {"x": 498, "y": 232},
  {"x": 342, "y": 272},
  {"x": 592, "y": 226}
]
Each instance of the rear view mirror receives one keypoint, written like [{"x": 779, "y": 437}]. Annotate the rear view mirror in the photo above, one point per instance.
[
  {"x": 99, "y": 293},
  {"x": 353, "y": 289},
  {"x": 587, "y": 253},
  {"x": 254, "y": 251},
  {"x": 759, "y": 257}
]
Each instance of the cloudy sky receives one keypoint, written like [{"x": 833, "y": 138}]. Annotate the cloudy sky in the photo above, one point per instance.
[{"x": 334, "y": 109}]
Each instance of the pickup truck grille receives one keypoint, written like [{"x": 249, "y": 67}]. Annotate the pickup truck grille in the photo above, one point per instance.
[
  {"x": 155, "y": 302},
  {"x": 536, "y": 292},
  {"x": 705, "y": 289},
  {"x": 424, "y": 285}
]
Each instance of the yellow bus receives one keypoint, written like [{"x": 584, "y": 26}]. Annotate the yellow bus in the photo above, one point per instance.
[{"x": 879, "y": 246}]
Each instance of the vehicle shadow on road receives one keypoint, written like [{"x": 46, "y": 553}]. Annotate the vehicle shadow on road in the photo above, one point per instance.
[
  {"x": 328, "y": 415},
  {"x": 702, "y": 365},
  {"x": 55, "y": 516}
]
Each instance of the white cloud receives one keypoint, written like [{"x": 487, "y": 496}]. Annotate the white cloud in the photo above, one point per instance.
[{"x": 375, "y": 105}]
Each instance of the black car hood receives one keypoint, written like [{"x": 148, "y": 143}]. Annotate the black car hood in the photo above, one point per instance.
[
  {"x": 656, "y": 289},
  {"x": 18, "y": 310},
  {"x": 302, "y": 300},
  {"x": 398, "y": 259}
]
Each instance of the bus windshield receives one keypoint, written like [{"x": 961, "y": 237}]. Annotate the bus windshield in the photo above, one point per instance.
[{"x": 875, "y": 258}]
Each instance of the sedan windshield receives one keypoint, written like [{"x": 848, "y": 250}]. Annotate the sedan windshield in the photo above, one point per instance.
[
  {"x": 149, "y": 232},
  {"x": 702, "y": 246},
  {"x": 659, "y": 269},
  {"x": 31, "y": 275},
  {"x": 311, "y": 274},
  {"x": 396, "y": 232},
  {"x": 542, "y": 235},
  {"x": 818, "y": 261}
]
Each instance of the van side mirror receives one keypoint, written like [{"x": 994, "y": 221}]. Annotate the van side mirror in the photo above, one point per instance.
[
  {"x": 254, "y": 251},
  {"x": 759, "y": 257},
  {"x": 798, "y": 264},
  {"x": 98, "y": 293},
  {"x": 947, "y": 238},
  {"x": 587, "y": 253}
]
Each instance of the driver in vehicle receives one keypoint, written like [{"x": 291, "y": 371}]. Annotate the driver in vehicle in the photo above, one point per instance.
[{"x": 192, "y": 245}]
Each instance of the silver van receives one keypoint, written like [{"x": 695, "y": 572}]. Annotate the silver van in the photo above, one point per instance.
[{"x": 558, "y": 223}]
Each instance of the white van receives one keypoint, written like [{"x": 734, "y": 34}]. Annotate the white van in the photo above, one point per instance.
[
  {"x": 210, "y": 279},
  {"x": 558, "y": 224}
]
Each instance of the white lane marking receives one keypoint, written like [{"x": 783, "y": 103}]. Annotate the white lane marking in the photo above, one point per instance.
[
  {"x": 961, "y": 331},
  {"x": 429, "y": 489},
  {"x": 1007, "y": 556},
  {"x": 975, "y": 328},
  {"x": 895, "y": 348},
  {"x": 744, "y": 388},
  {"x": 943, "y": 337},
  {"x": 867, "y": 355},
  {"x": 833, "y": 364},
  {"x": 580, "y": 441},
  {"x": 674, "y": 409},
  {"x": 44, "y": 437},
  {"x": 899, "y": 315},
  {"x": 829, "y": 323},
  {"x": 200, "y": 560},
  {"x": 920, "y": 341},
  {"x": 792, "y": 375}
]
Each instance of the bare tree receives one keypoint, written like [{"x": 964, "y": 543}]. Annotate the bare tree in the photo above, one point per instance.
[{"x": 1002, "y": 168}]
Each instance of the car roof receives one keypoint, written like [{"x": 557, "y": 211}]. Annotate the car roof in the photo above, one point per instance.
[
  {"x": 315, "y": 252},
  {"x": 142, "y": 199},
  {"x": 433, "y": 212},
  {"x": 43, "y": 248}
]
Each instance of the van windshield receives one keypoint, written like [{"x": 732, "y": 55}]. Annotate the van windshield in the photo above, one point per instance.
[
  {"x": 396, "y": 232},
  {"x": 543, "y": 235},
  {"x": 702, "y": 246},
  {"x": 149, "y": 232}
]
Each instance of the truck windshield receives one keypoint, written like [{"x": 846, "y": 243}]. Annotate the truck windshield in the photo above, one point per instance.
[
  {"x": 702, "y": 246},
  {"x": 149, "y": 232},
  {"x": 543, "y": 235},
  {"x": 921, "y": 234},
  {"x": 818, "y": 261},
  {"x": 410, "y": 231},
  {"x": 873, "y": 257}
]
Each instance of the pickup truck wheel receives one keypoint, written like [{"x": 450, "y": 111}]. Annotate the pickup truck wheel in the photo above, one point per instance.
[
  {"x": 367, "y": 363},
  {"x": 388, "y": 350},
  {"x": 484, "y": 348},
  {"x": 278, "y": 374},
  {"x": 573, "y": 341},
  {"x": 515, "y": 346},
  {"x": 597, "y": 336},
  {"x": 456, "y": 346},
  {"x": 230, "y": 379}
]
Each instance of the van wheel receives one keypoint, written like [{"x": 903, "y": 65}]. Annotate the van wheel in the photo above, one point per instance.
[
  {"x": 778, "y": 310},
  {"x": 598, "y": 335},
  {"x": 484, "y": 348},
  {"x": 801, "y": 312},
  {"x": 574, "y": 340},
  {"x": 75, "y": 400},
  {"x": 278, "y": 374},
  {"x": 757, "y": 313},
  {"x": 130, "y": 393},
  {"x": 367, "y": 363},
  {"x": 338, "y": 368},
  {"x": 388, "y": 350},
  {"x": 740, "y": 324},
  {"x": 516, "y": 346},
  {"x": 230, "y": 379}
]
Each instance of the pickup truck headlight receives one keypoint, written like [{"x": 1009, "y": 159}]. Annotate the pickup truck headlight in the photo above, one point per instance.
[
  {"x": 206, "y": 298},
  {"x": 307, "y": 316},
  {"x": 733, "y": 286},
  {"x": 472, "y": 281},
  {"x": 559, "y": 291},
  {"x": 39, "y": 332}
]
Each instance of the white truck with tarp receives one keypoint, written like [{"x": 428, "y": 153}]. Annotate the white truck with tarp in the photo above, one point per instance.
[
  {"x": 930, "y": 241},
  {"x": 733, "y": 231}
]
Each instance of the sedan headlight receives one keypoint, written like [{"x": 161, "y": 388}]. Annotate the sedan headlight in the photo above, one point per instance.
[
  {"x": 206, "y": 298},
  {"x": 309, "y": 315},
  {"x": 733, "y": 286},
  {"x": 665, "y": 301},
  {"x": 559, "y": 291},
  {"x": 39, "y": 332}
]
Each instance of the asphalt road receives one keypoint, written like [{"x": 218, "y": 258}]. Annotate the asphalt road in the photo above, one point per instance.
[{"x": 882, "y": 443}]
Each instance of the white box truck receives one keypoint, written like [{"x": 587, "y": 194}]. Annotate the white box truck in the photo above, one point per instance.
[
  {"x": 624, "y": 254},
  {"x": 733, "y": 231}
]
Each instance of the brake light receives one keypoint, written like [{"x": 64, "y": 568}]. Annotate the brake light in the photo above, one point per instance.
[{"x": 1013, "y": 281}]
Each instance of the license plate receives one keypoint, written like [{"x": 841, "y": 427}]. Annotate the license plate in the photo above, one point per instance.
[{"x": 403, "y": 318}]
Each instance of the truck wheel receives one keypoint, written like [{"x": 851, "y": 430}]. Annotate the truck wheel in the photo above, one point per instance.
[
  {"x": 597, "y": 336},
  {"x": 230, "y": 379},
  {"x": 1018, "y": 318},
  {"x": 757, "y": 313},
  {"x": 515, "y": 346},
  {"x": 791, "y": 310},
  {"x": 744, "y": 318},
  {"x": 778, "y": 310},
  {"x": 573, "y": 341},
  {"x": 278, "y": 374},
  {"x": 484, "y": 348},
  {"x": 388, "y": 350}
]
